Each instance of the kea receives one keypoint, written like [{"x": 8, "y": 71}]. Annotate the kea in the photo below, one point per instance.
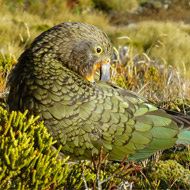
[{"x": 55, "y": 79}]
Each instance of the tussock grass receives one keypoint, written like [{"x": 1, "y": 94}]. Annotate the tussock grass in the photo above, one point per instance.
[
  {"x": 21, "y": 24},
  {"x": 160, "y": 83},
  {"x": 119, "y": 5},
  {"x": 168, "y": 42}
]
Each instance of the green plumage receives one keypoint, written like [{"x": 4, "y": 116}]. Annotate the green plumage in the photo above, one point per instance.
[{"x": 49, "y": 80}]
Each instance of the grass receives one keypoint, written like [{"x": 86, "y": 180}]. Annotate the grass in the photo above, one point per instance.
[
  {"x": 21, "y": 23},
  {"x": 19, "y": 27},
  {"x": 154, "y": 80},
  {"x": 119, "y": 5},
  {"x": 166, "y": 42}
]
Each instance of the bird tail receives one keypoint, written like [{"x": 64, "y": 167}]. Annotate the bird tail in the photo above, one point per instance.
[
  {"x": 183, "y": 137},
  {"x": 183, "y": 122}
]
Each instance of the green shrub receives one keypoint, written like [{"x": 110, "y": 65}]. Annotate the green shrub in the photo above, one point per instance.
[{"x": 26, "y": 160}]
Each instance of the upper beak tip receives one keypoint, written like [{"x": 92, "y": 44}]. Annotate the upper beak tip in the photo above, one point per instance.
[{"x": 105, "y": 72}]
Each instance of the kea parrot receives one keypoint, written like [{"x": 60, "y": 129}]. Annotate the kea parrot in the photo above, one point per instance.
[{"x": 55, "y": 79}]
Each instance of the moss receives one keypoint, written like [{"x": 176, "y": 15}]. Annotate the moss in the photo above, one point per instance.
[
  {"x": 176, "y": 104},
  {"x": 170, "y": 174},
  {"x": 179, "y": 153}
]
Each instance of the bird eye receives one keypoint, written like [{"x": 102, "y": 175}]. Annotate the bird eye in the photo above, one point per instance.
[{"x": 99, "y": 50}]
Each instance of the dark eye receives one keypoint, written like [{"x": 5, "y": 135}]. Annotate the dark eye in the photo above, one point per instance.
[{"x": 98, "y": 50}]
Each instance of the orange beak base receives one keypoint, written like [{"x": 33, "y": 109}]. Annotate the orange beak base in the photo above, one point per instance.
[{"x": 104, "y": 71}]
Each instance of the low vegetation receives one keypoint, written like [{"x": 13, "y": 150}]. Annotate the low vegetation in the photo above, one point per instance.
[{"x": 28, "y": 162}]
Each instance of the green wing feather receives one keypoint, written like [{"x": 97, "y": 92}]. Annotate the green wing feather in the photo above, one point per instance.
[
  {"x": 83, "y": 116},
  {"x": 183, "y": 137}
]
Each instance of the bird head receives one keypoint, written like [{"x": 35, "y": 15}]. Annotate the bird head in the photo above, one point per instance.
[
  {"x": 80, "y": 47},
  {"x": 89, "y": 55}
]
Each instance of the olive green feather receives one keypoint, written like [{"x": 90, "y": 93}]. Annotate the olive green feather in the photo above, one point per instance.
[{"x": 49, "y": 80}]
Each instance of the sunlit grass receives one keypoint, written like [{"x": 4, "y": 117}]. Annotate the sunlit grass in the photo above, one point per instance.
[
  {"x": 119, "y": 5},
  {"x": 154, "y": 80},
  {"x": 166, "y": 42},
  {"x": 19, "y": 27}
]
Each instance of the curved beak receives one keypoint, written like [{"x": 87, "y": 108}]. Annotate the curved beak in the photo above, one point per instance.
[{"x": 105, "y": 72}]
